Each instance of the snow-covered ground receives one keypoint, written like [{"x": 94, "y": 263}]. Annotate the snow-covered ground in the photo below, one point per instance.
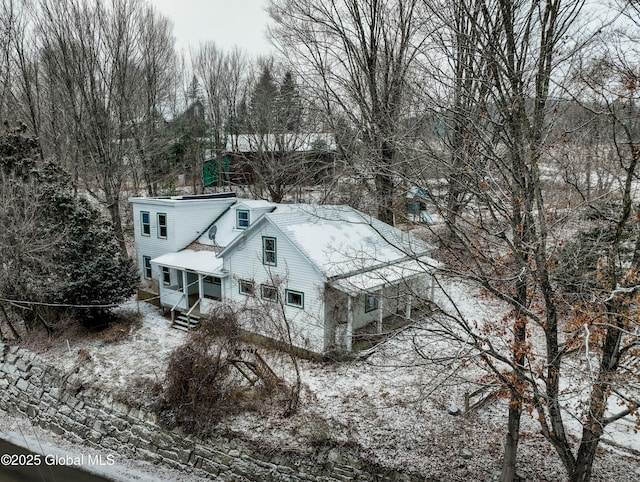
[
  {"x": 393, "y": 406},
  {"x": 114, "y": 365}
]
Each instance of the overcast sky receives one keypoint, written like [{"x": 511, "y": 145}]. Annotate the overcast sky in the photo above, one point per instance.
[{"x": 226, "y": 22}]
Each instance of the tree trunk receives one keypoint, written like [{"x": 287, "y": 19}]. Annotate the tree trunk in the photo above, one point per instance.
[
  {"x": 384, "y": 187},
  {"x": 586, "y": 455},
  {"x": 594, "y": 425},
  {"x": 114, "y": 212},
  {"x": 511, "y": 443},
  {"x": 384, "y": 183}
]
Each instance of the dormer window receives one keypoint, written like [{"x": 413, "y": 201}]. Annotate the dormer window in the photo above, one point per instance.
[{"x": 242, "y": 219}]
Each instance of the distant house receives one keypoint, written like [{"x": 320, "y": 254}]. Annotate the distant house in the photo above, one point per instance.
[
  {"x": 313, "y": 153},
  {"x": 329, "y": 270},
  {"x": 416, "y": 202}
]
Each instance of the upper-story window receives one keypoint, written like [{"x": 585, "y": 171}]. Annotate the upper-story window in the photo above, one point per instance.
[
  {"x": 242, "y": 219},
  {"x": 269, "y": 251},
  {"x": 162, "y": 225},
  {"x": 145, "y": 223}
]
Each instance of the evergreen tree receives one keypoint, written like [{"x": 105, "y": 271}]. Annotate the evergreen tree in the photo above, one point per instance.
[
  {"x": 290, "y": 106},
  {"x": 264, "y": 103},
  {"x": 56, "y": 247}
]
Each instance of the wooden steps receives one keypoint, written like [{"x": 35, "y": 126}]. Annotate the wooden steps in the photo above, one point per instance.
[{"x": 183, "y": 322}]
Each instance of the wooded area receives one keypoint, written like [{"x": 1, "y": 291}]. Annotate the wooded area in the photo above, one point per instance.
[{"x": 518, "y": 119}]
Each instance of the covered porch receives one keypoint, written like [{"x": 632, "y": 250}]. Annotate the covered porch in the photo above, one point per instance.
[
  {"x": 190, "y": 282},
  {"x": 363, "y": 307}
]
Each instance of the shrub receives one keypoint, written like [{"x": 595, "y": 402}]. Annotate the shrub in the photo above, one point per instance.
[{"x": 201, "y": 384}]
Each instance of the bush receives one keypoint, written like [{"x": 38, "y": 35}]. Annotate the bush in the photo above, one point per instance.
[{"x": 201, "y": 385}]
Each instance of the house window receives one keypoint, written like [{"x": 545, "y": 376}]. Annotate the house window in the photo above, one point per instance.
[
  {"x": 246, "y": 287},
  {"x": 212, "y": 286},
  {"x": 269, "y": 254},
  {"x": 146, "y": 261},
  {"x": 145, "y": 222},
  {"x": 295, "y": 298},
  {"x": 162, "y": 225},
  {"x": 370, "y": 303},
  {"x": 242, "y": 219},
  {"x": 269, "y": 293},
  {"x": 166, "y": 276}
]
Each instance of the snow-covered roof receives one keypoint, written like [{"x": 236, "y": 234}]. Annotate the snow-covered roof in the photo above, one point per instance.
[
  {"x": 203, "y": 261},
  {"x": 286, "y": 142},
  {"x": 185, "y": 200},
  {"x": 351, "y": 249},
  {"x": 226, "y": 223},
  {"x": 255, "y": 204},
  {"x": 341, "y": 241},
  {"x": 372, "y": 280}
]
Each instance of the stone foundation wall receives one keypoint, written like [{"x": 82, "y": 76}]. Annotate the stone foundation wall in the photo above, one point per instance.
[{"x": 58, "y": 402}]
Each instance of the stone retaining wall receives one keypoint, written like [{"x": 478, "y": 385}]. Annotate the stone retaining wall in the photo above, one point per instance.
[{"x": 58, "y": 402}]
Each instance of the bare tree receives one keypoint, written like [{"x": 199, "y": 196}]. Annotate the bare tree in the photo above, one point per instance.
[
  {"x": 358, "y": 58},
  {"x": 156, "y": 73},
  {"x": 222, "y": 76},
  {"x": 8, "y": 19},
  {"x": 101, "y": 60},
  {"x": 506, "y": 240}
]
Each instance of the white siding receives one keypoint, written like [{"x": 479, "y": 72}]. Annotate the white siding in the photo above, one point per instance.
[
  {"x": 151, "y": 245},
  {"x": 191, "y": 220},
  {"x": 337, "y": 315},
  {"x": 293, "y": 272},
  {"x": 186, "y": 220}
]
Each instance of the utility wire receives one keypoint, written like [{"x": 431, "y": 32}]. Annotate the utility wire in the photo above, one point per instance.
[{"x": 69, "y": 305}]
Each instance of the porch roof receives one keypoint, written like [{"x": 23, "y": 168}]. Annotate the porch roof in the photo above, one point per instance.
[
  {"x": 203, "y": 261},
  {"x": 374, "y": 279}
]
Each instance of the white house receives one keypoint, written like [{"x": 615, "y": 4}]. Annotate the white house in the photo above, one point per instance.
[{"x": 324, "y": 270}]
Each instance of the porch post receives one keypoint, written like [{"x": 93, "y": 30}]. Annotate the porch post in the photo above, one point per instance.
[
  {"x": 407, "y": 310},
  {"x": 380, "y": 309},
  {"x": 200, "y": 285},
  {"x": 185, "y": 284},
  {"x": 348, "y": 341}
]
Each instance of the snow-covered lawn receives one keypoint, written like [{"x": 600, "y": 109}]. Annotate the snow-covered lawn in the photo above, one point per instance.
[
  {"x": 114, "y": 365},
  {"x": 392, "y": 406}
]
